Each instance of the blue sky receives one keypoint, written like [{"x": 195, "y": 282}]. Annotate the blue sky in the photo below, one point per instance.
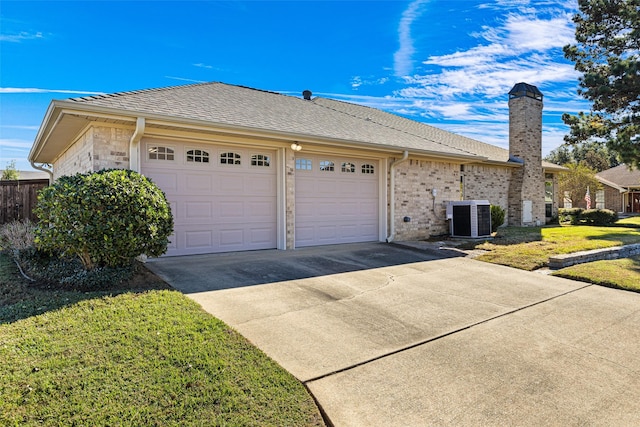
[{"x": 446, "y": 63}]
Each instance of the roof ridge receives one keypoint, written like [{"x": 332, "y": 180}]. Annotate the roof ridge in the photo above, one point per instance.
[
  {"x": 138, "y": 91},
  {"x": 395, "y": 128}
]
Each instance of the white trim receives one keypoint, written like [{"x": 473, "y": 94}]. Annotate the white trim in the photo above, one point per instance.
[{"x": 281, "y": 199}]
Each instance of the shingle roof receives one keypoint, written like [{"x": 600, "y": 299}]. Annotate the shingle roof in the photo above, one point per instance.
[
  {"x": 224, "y": 104},
  {"x": 621, "y": 176},
  {"x": 239, "y": 106}
]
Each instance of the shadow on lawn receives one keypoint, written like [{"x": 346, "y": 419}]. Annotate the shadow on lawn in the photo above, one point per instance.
[
  {"x": 21, "y": 299},
  {"x": 514, "y": 235}
]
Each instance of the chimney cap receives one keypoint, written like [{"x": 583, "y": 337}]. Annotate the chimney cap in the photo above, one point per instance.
[
  {"x": 306, "y": 94},
  {"x": 524, "y": 89}
]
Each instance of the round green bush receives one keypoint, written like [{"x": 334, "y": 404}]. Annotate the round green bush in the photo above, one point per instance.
[
  {"x": 105, "y": 218},
  {"x": 497, "y": 217}
]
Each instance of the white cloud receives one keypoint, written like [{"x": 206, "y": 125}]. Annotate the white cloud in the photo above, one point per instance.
[
  {"x": 403, "y": 57},
  {"x": 184, "y": 79},
  {"x": 13, "y": 143},
  {"x": 20, "y": 37},
  {"x": 39, "y": 90},
  {"x": 201, "y": 65}
]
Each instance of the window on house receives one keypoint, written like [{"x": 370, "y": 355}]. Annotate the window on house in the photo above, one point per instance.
[
  {"x": 548, "y": 195},
  {"x": 369, "y": 169},
  {"x": 348, "y": 167},
  {"x": 260, "y": 160},
  {"x": 158, "y": 152},
  {"x": 303, "y": 164},
  {"x": 229, "y": 158},
  {"x": 197, "y": 156},
  {"x": 327, "y": 166}
]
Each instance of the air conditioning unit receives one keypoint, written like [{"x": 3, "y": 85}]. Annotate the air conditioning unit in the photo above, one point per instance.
[{"x": 469, "y": 218}]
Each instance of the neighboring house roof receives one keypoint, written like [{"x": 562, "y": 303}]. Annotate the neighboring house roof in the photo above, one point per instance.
[
  {"x": 620, "y": 177},
  {"x": 24, "y": 175},
  {"x": 241, "y": 108}
]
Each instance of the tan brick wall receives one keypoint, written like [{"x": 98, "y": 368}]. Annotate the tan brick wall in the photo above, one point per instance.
[
  {"x": 77, "y": 158},
  {"x": 99, "y": 147},
  {"x": 482, "y": 182},
  {"x": 414, "y": 181},
  {"x": 525, "y": 142},
  {"x": 111, "y": 148}
]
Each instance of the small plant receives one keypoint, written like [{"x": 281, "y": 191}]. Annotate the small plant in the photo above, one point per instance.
[
  {"x": 497, "y": 217},
  {"x": 106, "y": 218},
  {"x": 17, "y": 236},
  {"x": 10, "y": 172}
]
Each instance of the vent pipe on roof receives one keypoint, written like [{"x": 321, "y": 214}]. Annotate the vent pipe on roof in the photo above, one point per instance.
[{"x": 306, "y": 94}]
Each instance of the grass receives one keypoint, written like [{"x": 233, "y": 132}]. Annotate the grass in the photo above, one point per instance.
[
  {"x": 143, "y": 356},
  {"x": 621, "y": 273},
  {"x": 529, "y": 248}
]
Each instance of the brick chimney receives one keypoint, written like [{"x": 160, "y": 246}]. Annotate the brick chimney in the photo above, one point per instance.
[{"x": 526, "y": 188}]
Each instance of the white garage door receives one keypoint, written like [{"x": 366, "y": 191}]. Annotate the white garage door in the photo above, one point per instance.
[
  {"x": 336, "y": 200},
  {"x": 222, "y": 198}
]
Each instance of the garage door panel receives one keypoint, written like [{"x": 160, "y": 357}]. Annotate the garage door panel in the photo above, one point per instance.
[
  {"x": 216, "y": 207},
  {"x": 198, "y": 210},
  {"x": 334, "y": 206}
]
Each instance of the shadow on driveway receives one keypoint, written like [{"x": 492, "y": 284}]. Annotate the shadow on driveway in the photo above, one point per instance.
[{"x": 199, "y": 273}]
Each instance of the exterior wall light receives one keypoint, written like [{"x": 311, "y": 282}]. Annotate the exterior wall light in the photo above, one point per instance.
[{"x": 296, "y": 147}]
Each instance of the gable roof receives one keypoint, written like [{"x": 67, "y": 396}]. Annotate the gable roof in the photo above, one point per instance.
[
  {"x": 620, "y": 177},
  {"x": 245, "y": 109}
]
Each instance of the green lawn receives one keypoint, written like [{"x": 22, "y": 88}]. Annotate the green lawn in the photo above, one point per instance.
[
  {"x": 621, "y": 273},
  {"x": 141, "y": 357},
  {"x": 529, "y": 248}
]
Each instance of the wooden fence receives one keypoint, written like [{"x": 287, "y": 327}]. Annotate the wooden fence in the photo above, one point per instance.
[{"x": 18, "y": 198}]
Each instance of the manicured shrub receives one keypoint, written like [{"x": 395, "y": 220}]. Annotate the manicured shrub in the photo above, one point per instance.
[
  {"x": 105, "y": 218},
  {"x": 497, "y": 217},
  {"x": 570, "y": 215},
  {"x": 599, "y": 217}
]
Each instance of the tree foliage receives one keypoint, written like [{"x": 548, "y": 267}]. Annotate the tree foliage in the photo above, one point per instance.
[
  {"x": 10, "y": 172},
  {"x": 607, "y": 53},
  {"x": 590, "y": 154},
  {"x": 574, "y": 182},
  {"x": 105, "y": 218}
]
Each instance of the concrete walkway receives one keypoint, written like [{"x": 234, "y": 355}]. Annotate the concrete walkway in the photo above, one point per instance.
[{"x": 388, "y": 336}]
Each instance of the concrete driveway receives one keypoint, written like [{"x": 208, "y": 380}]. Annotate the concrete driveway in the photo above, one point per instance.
[{"x": 387, "y": 336}]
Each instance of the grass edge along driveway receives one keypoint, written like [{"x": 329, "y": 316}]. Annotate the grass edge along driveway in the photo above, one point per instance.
[
  {"x": 529, "y": 248},
  {"x": 150, "y": 358}
]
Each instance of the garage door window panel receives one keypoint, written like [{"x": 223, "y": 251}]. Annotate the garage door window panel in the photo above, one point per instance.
[
  {"x": 303, "y": 164},
  {"x": 197, "y": 156},
  {"x": 260, "y": 160},
  {"x": 327, "y": 166},
  {"x": 368, "y": 169},
  {"x": 230, "y": 158},
  {"x": 159, "y": 152},
  {"x": 348, "y": 167}
]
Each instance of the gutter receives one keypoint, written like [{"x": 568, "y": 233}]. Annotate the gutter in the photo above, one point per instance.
[
  {"x": 134, "y": 158},
  {"x": 43, "y": 169},
  {"x": 392, "y": 184}
]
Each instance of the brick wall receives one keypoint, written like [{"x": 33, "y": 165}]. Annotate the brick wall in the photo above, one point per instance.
[
  {"x": 415, "y": 180},
  {"x": 613, "y": 199},
  {"x": 290, "y": 195},
  {"x": 482, "y": 182},
  {"x": 99, "y": 147}
]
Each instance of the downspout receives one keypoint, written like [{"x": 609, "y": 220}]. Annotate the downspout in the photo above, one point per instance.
[
  {"x": 392, "y": 184},
  {"x": 134, "y": 158},
  {"x": 43, "y": 169}
]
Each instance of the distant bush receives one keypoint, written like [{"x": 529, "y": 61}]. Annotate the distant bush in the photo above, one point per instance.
[
  {"x": 569, "y": 215},
  {"x": 497, "y": 217},
  {"x": 577, "y": 216},
  {"x": 599, "y": 217},
  {"x": 105, "y": 218}
]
